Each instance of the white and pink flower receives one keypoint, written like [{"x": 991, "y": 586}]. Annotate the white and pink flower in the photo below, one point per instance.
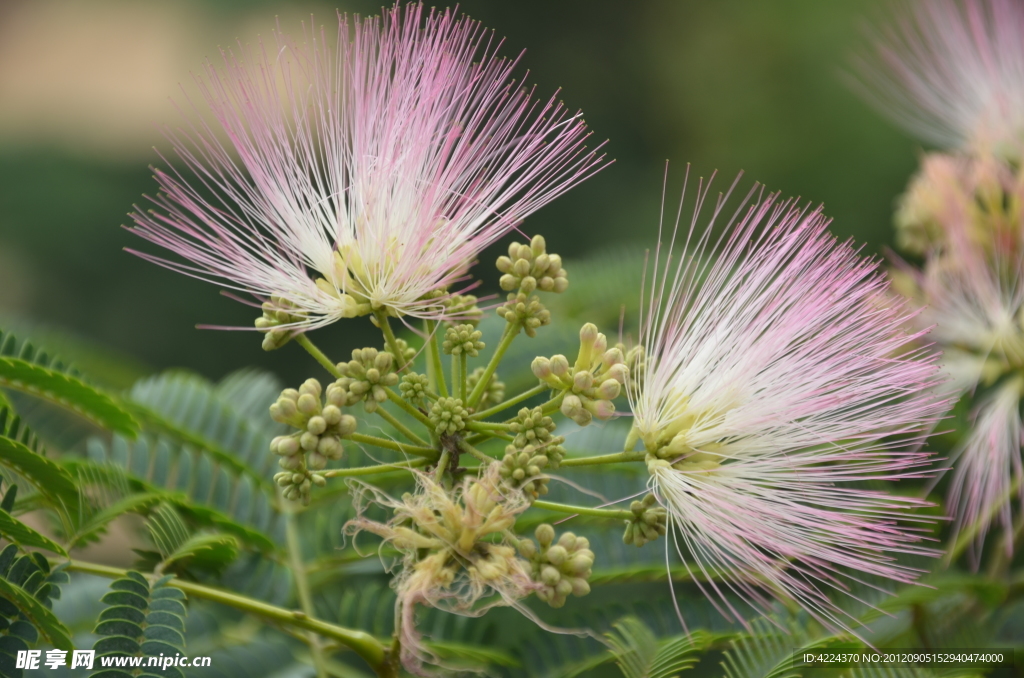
[
  {"x": 952, "y": 72},
  {"x": 362, "y": 170},
  {"x": 779, "y": 376}
]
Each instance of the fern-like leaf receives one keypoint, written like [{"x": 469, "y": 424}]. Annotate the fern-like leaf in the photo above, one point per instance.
[
  {"x": 18, "y": 532},
  {"x": 141, "y": 620},
  {"x": 27, "y": 586},
  {"x": 33, "y": 373}
]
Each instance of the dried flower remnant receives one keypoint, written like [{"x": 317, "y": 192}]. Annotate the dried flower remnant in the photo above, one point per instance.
[
  {"x": 370, "y": 171},
  {"x": 455, "y": 551},
  {"x": 774, "y": 379}
]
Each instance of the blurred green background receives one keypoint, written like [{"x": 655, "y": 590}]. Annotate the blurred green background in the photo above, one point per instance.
[{"x": 723, "y": 84}]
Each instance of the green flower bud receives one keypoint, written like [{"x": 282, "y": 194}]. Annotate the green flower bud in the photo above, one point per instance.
[
  {"x": 448, "y": 416},
  {"x": 462, "y": 339},
  {"x": 316, "y": 425},
  {"x": 308, "y": 404},
  {"x": 557, "y": 555},
  {"x": 494, "y": 392},
  {"x": 312, "y": 387},
  {"x": 541, "y": 367},
  {"x": 559, "y": 365},
  {"x": 545, "y": 534},
  {"x": 330, "y": 447},
  {"x": 550, "y": 575},
  {"x": 609, "y": 389},
  {"x": 331, "y": 415},
  {"x": 414, "y": 387},
  {"x": 648, "y": 522},
  {"x": 526, "y": 310}
]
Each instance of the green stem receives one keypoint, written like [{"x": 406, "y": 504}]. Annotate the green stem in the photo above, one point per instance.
[
  {"x": 616, "y": 458},
  {"x": 458, "y": 382},
  {"x": 482, "y": 426},
  {"x": 487, "y": 435},
  {"x": 442, "y": 466},
  {"x": 363, "y": 644},
  {"x": 551, "y": 406},
  {"x": 389, "y": 339},
  {"x": 428, "y": 452},
  {"x": 615, "y": 514},
  {"x": 374, "y": 470},
  {"x": 463, "y": 375},
  {"x": 400, "y": 427},
  {"x": 500, "y": 407},
  {"x": 304, "y": 341},
  {"x": 302, "y": 590},
  {"x": 965, "y": 537},
  {"x": 408, "y": 407},
  {"x": 435, "y": 371},
  {"x": 466, "y": 447},
  {"x": 1002, "y": 557},
  {"x": 511, "y": 332}
]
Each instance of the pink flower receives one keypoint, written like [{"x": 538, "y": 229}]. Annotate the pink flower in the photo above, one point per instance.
[
  {"x": 778, "y": 377},
  {"x": 974, "y": 291},
  {"x": 952, "y": 72},
  {"x": 989, "y": 463},
  {"x": 361, "y": 173}
]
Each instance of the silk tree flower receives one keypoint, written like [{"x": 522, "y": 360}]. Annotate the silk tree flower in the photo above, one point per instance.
[
  {"x": 969, "y": 189},
  {"x": 360, "y": 173},
  {"x": 776, "y": 380},
  {"x": 952, "y": 72},
  {"x": 456, "y": 554},
  {"x": 973, "y": 291}
]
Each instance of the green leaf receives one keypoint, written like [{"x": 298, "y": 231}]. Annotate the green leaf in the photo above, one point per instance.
[
  {"x": 639, "y": 653},
  {"x": 474, "y": 654},
  {"x": 142, "y": 619},
  {"x": 68, "y": 392},
  {"x": 43, "y": 619},
  {"x": 23, "y": 535},
  {"x": 197, "y": 514},
  {"x": 51, "y": 480},
  {"x": 211, "y": 552},
  {"x": 98, "y": 522}
]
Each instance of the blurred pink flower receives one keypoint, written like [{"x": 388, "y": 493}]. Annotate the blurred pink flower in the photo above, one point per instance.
[
  {"x": 779, "y": 376},
  {"x": 952, "y": 72},
  {"x": 973, "y": 289},
  {"x": 364, "y": 174}
]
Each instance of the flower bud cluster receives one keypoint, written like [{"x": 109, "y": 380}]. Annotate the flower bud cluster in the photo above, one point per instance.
[
  {"x": 407, "y": 353},
  {"x": 448, "y": 416},
  {"x": 560, "y": 568},
  {"x": 414, "y": 387},
  {"x": 318, "y": 439},
  {"x": 534, "y": 449},
  {"x": 463, "y": 309},
  {"x": 526, "y": 310},
  {"x": 530, "y": 267},
  {"x": 647, "y": 524},
  {"x": 276, "y": 312},
  {"x": 636, "y": 363},
  {"x": 523, "y": 468},
  {"x": 365, "y": 378},
  {"x": 462, "y": 339},
  {"x": 494, "y": 392},
  {"x": 593, "y": 382},
  {"x": 533, "y": 427}
]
